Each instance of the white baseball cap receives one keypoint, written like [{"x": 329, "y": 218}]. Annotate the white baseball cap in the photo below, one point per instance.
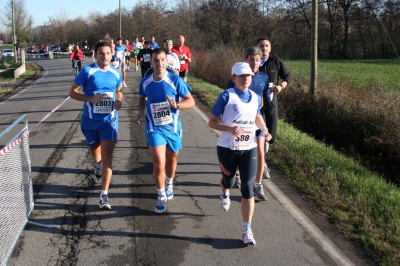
[{"x": 242, "y": 68}]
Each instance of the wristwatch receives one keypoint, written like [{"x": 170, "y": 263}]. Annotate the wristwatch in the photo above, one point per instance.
[{"x": 177, "y": 105}]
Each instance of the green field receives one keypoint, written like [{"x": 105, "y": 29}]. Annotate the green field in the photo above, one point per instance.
[{"x": 384, "y": 74}]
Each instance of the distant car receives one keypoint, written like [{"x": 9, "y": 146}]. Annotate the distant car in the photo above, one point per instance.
[{"x": 7, "y": 53}]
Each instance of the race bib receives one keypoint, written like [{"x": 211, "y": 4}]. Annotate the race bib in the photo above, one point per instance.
[
  {"x": 161, "y": 113},
  {"x": 183, "y": 61},
  {"x": 105, "y": 105},
  {"x": 244, "y": 141},
  {"x": 146, "y": 58}
]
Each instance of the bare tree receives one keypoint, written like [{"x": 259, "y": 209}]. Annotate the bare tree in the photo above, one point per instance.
[
  {"x": 229, "y": 20},
  {"x": 23, "y": 21}
]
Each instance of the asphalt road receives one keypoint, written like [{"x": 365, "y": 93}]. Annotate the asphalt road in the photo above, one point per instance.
[{"x": 193, "y": 231}]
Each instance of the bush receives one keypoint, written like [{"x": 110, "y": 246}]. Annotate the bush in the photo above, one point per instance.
[
  {"x": 4, "y": 64},
  {"x": 364, "y": 124},
  {"x": 214, "y": 66}
]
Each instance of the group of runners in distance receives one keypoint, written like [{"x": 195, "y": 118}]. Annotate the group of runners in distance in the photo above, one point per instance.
[{"x": 245, "y": 113}]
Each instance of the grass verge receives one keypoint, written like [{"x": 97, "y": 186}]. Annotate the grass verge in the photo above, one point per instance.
[
  {"x": 358, "y": 73},
  {"x": 359, "y": 202}
]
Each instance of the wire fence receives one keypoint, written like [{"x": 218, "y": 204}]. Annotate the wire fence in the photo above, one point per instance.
[{"x": 16, "y": 201}]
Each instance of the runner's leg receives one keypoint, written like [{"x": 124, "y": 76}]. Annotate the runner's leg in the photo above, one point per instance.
[
  {"x": 158, "y": 157},
  {"x": 107, "y": 149}
]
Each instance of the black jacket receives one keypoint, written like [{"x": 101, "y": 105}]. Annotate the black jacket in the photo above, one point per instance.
[{"x": 275, "y": 68}]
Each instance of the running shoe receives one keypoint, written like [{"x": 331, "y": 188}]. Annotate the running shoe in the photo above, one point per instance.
[
  {"x": 124, "y": 84},
  {"x": 128, "y": 68},
  {"x": 97, "y": 170},
  {"x": 259, "y": 192},
  {"x": 137, "y": 69},
  {"x": 248, "y": 238},
  {"x": 237, "y": 181},
  {"x": 225, "y": 202},
  {"x": 266, "y": 172},
  {"x": 169, "y": 191},
  {"x": 160, "y": 205},
  {"x": 104, "y": 203}
]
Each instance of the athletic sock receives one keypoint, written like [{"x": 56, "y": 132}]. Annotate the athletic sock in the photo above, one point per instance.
[
  {"x": 225, "y": 195},
  {"x": 103, "y": 192},
  {"x": 169, "y": 181},
  {"x": 161, "y": 193},
  {"x": 246, "y": 226}
]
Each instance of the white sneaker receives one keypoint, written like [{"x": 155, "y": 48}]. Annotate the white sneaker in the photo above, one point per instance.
[
  {"x": 225, "y": 202},
  {"x": 136, "y": 68},
  {"x": 169, "y": 191},
  {"x": 128, "y": 68},
  {"x": 124, "y": 84},
  {"x": 104, "y": 203},
  {"x": 259, "y": 192},
  {"x": 248, "y": 238},
  {"x": 238, "y": 183},
  {"x": 266, "y": 172},
  {"x": 160, "y": 205},
  {"x": 97, "y": 170}
]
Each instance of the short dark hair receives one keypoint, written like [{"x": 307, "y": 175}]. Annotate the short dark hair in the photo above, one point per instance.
[
  {"x": 252, "y": 51},
  {"x": 157, "y": 52},
  {"x": 119, "y": 39},
  {"x": 263, "y": 39},
  {"x": 101, "y": 44}
]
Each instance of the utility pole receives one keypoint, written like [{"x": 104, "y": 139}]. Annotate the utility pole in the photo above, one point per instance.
[
  {"x": 314, "y": 47},
  {"x": 120, "y": 19},
  {"x": 13, "y": 28}
]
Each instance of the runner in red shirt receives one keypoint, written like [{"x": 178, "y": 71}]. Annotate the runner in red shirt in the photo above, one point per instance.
[
  {"x": 128, "y": 54},
  {"x": 184, "y": 55}
]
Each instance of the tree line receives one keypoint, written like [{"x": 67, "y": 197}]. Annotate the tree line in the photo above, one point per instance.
[{"x": 347, "y": 28}]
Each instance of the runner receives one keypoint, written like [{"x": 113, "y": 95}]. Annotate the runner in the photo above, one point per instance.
[
  {"x": 173, "y": 60},
  {"x": 136, "y": 46},
  {"x": 144, "y": 58},
  {"x": 153, "y": 43},
  {"x": 120, "y": 52},
  {"x": 128, "y": 52},
  {"x": 237, "y": 145},
  {"x": 185, "y": 56},
  {"x": 102, "y": 95},
  {"x": 160, "y": 94},
  {"x": 276, "y": 70},
  {"x": 259, "y": 85}
]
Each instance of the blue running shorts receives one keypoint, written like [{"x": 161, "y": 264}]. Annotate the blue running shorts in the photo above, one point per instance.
[
  {"x": 96, "y": 130},
  {"x": 172, "y": 140},
  {"x": 123, "y": 65}
]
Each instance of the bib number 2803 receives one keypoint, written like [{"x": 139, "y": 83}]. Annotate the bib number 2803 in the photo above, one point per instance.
[{"x": 105, "y": 105}]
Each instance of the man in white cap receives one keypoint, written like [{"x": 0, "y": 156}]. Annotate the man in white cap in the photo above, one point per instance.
[{"x": 239, "y": 108}]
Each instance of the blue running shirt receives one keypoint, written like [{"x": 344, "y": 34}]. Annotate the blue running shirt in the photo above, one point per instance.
[
  {"x": 160, "y": 116},
  {"x": 120, "y": 52},
  {"x": 93, "y": 81}
]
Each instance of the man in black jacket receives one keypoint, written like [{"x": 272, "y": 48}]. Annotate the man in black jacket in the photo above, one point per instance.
[
  {"x": 144, "y": 58},
  {"x": 279, "y": 76}
]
